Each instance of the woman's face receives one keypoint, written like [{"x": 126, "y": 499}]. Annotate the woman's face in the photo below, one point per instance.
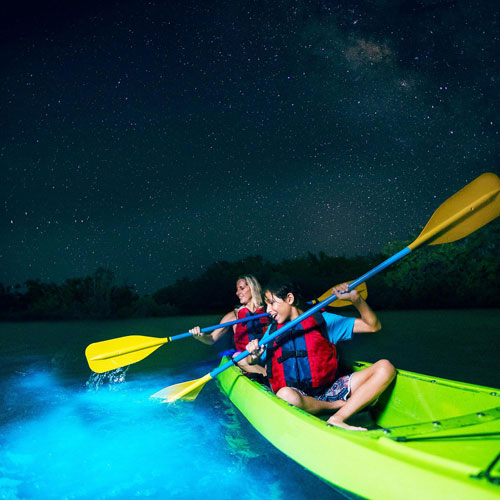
[
  {"x": 281, "y": 310},
  {"x": 243, "y": 292}
]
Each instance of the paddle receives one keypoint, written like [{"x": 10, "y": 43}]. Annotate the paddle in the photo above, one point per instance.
[
  {"x": 115, "y": 353},
  {"x": 362, "y": 290},
  {"x": 469, "y": 209}
]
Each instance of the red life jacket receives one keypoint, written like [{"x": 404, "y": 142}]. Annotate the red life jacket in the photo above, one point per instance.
[
  {"x": 302, "y": 357},
  {"x": 252, "y": 329}
]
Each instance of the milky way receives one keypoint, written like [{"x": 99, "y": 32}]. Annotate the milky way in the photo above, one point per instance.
[{"x": 156, "y": 138}]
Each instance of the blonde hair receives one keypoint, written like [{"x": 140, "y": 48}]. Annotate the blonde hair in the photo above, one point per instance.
[{"x": 255, "y": 289}]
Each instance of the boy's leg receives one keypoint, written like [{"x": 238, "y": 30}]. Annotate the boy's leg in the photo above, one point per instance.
[
  {"x": 313, "y": 405},
  {"x": 307, "y": 403},
  {"x": 366, "y": 386}
]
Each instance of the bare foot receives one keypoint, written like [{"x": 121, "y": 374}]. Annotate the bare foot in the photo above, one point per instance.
[{"x": 340, "y": 423}]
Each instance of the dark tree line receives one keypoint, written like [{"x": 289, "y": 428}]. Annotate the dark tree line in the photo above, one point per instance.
[
  {"x": 95, "y": 296},
  {"x": 462, "y": 274}
]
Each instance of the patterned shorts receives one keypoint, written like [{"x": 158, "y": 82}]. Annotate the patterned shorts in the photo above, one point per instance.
[{"x": 341, "y": 389}]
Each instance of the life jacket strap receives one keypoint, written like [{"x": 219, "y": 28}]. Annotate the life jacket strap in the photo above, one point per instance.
[{"x": 291, "y": 354}]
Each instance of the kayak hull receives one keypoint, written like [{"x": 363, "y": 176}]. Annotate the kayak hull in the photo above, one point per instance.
[{"x": 432, "y": 438}]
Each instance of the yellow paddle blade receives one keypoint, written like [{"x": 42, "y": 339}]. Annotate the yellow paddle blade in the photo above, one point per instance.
[
  {"x": 115, "y": 353},
  {"x": 467, "y": 210},
  {"x": 362, "y": 290},
  {"x": 185, "y": 390}
]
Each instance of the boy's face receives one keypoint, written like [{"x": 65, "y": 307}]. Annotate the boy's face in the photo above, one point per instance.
[{"x": 279, "y": 309}]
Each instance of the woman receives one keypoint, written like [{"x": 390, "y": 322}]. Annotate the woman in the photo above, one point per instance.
[
  {"x": 302, "y": 363},
  {"x": 249, "y": 294}
]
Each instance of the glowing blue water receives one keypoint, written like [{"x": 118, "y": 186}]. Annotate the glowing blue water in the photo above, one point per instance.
[
  {"x": 61, "y": 438},
  {"x": 107, "y": 439}
]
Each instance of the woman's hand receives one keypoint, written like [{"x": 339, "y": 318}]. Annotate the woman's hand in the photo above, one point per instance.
[
  {"x": 206, "y": 338},
  {"x": 196, "y": 332}
]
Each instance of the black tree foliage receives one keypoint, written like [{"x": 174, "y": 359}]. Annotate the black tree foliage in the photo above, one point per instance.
[{"x": 463, "y": 274}]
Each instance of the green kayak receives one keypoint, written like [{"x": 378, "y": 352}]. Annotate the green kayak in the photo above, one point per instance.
[{"x": 428, "y": 438}]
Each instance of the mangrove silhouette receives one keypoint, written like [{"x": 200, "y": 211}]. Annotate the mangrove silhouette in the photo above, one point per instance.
[{"x": 463, "y": 274}]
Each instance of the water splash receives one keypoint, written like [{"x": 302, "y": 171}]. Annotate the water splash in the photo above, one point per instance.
[{"x": 110, "y": 379}]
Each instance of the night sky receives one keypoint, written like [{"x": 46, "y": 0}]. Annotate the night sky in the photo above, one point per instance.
[{"x": 155, "y": 138}]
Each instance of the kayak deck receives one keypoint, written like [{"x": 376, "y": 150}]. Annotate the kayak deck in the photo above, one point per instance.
[{"x": 441, "y": 436}]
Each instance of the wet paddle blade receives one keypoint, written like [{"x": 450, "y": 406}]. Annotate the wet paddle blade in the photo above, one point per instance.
[
  {"x": 362, "y": 290},
  {"x": 115, "y": 353},
  {"x": 185, "y": 390},
  {"x": 467, "y": 210}
]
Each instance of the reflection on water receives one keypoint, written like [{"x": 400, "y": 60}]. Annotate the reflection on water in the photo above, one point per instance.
[
  {"x": 234, "y": 435},
  {"x": 72, "y": 439}
]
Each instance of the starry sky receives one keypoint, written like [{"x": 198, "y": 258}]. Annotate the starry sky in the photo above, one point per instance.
[{"x": 154, "y": 138}]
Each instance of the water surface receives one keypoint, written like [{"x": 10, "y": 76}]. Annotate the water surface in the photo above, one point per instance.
[{"x": 65, "y": 433}]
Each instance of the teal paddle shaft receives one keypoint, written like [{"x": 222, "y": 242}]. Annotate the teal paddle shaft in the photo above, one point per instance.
[{"x": 399, "y": 255}]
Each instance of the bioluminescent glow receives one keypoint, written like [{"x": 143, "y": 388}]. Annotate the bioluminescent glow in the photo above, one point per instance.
[{"x": 111, "y": 440}]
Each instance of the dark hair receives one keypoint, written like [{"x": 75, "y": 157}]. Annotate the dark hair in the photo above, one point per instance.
[{"x": 281, "y": 288}]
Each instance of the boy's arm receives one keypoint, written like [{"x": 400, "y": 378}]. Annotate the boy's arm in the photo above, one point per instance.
[{"x": 369, "y": 321}]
